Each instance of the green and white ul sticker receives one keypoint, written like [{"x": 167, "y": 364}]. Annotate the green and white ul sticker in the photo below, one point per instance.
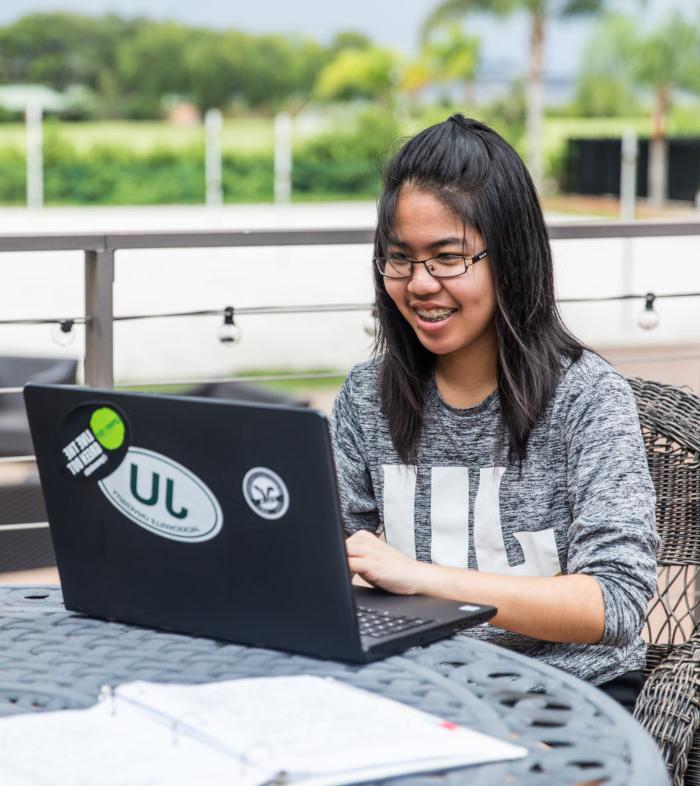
[{"x": 163, "y": 497}]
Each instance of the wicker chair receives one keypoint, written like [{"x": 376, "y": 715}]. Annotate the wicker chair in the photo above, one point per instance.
[{"x": 669, "y": 705}]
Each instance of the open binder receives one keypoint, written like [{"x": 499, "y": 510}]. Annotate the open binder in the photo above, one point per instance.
[{"x": 304, "y": 730}]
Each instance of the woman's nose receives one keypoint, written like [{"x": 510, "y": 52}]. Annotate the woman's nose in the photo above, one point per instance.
[{"x": 421, "y": 281}]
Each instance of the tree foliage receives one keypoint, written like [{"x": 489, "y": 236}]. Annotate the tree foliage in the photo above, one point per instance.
[
  {"x": 451, "y": 54},
  {"x": 150, "y": 63},
  {"x": 450, "y": 10},
  {"x": 131, "y": 64},
  {"x": 539, "y": 12},
  {"x": 605, "y": 85},
  {"x": 349, "y": 39},
  {"x": 61, "y": 49},
  {"x": 670, "y": 55},
  {"x": 359, "y": 73},
  {"x": 622, "y": 60},
  {"x": 447, "y": 54}
]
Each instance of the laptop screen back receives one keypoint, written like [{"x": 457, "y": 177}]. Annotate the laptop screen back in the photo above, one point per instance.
[{"x": 207, "y": 517}]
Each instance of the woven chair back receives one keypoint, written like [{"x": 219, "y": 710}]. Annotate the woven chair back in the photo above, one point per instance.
[{"x": 670, "y": 420}]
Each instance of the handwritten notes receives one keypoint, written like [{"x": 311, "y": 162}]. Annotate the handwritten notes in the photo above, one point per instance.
[{"x": 314, "y": 731}]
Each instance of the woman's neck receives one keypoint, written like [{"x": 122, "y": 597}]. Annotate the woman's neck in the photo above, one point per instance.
[{"x": 466, "y": 378}]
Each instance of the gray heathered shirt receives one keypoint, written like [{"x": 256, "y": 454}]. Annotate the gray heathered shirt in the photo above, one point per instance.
[{"x": 584, "y": 504}]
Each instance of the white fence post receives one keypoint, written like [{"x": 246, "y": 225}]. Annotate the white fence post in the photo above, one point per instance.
[
  {"x": 628, "y": 176},
  {"x": 213, "y": 124},
  {"x": 628, "y": 202},
  {"x": 283, "y": 158},
  {"x": 35, "y": 155}
]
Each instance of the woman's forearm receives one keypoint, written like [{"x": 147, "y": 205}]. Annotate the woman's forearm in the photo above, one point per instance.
[{"x": 566, "y": 608}]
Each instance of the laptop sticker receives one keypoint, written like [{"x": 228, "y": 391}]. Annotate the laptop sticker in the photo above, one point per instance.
[
  {"x": 163, "y": 497},
  {"x": 94, "y": 439},
  {"x": 265, "y": 493}
]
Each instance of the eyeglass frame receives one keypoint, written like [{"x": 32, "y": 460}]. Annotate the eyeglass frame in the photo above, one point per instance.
[{"x": 468, "y": 262}]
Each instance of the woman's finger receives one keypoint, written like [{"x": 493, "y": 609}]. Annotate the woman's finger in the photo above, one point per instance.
[{"x": 358, "y": 547}]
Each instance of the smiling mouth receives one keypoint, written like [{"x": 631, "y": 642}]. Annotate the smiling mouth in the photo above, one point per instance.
[{"x": 434, "y": 314}]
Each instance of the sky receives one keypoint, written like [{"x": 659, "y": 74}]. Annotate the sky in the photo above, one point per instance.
[{"x": 394, "y": 23}]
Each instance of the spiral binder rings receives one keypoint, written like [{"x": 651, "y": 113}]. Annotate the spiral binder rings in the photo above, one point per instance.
[{"x": 274, "y": 731}]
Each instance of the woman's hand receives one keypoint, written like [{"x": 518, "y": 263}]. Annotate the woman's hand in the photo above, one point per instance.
[{"x": 378, "y": 563}]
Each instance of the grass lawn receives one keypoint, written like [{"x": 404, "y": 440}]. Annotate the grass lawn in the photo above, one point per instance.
[
  {"x": 286, "y": 381},
  {"x": 255, "y": 134},
  {"x": 558, "y": 129},
  {"x": 247, "y": 135},
  {"x": 318, "y": 393},
  {"x": 250, "y": 134}
]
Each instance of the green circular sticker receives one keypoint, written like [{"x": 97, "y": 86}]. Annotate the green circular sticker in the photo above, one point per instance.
[{"x": 107, "y": 427}]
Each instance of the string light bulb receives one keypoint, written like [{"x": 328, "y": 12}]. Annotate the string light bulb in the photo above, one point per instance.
[
  {"x": 648, "y": 319},
  {"x": 229, "y": 332},
  {"x": 62, "y": 332}
]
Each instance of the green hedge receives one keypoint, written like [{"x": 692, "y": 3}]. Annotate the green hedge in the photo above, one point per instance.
[
  {"x": 13, "y": 175},
  {"x": 120, "y": 176}
]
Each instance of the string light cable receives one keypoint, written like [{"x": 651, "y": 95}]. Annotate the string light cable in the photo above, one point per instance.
[
  {"x": 61, "y": 327},
  {"x": 230, "y": 333}
]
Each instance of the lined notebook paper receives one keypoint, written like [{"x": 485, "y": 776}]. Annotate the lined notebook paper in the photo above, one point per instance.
[{"x": 304, "y": 730}]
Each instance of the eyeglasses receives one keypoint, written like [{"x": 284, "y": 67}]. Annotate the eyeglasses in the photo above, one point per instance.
[{"x": 441, "y": 266}]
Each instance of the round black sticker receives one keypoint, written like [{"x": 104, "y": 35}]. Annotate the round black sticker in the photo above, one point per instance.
[
  {"x": 266, "y": 493},
  {"x": 94, "y": 439}
]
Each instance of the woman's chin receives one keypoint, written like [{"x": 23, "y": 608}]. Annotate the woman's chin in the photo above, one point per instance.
[{"x": 438, "y": 345}]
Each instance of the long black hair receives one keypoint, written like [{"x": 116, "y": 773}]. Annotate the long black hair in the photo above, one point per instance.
[{"x": 477, "y": 174}]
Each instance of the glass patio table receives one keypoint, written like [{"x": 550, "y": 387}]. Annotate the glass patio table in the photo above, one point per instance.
[{"x": 52, "y": 659}]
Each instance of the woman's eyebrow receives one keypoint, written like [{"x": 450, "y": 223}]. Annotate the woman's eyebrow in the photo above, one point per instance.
[{"x": 446, "y": 241}]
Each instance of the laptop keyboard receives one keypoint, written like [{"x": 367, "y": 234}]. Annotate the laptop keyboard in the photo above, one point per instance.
[{"x": 380, "y": 623}]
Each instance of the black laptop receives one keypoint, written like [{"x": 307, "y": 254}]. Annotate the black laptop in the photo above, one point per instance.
[{"x": 213, "y": 518}]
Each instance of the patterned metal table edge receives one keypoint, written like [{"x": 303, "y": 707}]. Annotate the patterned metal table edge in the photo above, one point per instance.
[{"x": 51, "y": 659}]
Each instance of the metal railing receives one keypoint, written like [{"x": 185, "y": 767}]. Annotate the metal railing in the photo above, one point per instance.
[
  {"x": 99, "y": 256},
  {"x": 99, "y": 251}
]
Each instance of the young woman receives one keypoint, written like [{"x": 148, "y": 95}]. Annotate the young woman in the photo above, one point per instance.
[{"x": 484, "y": 454}]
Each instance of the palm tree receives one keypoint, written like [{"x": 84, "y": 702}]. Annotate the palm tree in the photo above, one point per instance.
[
  {"x": 539, "y": 12},
  {"x": 661, "y": 61},
  {"x": 448, "y": 56},
  {"x": 668, "y": 59}
]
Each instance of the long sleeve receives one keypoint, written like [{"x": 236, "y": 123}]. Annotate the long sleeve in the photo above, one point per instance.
[
  {"x": 612, "y": 536},
  {"x": 357, "y": 499}
]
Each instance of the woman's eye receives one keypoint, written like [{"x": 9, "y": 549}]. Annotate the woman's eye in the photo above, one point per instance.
[{"x": 450, "y": 258}]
